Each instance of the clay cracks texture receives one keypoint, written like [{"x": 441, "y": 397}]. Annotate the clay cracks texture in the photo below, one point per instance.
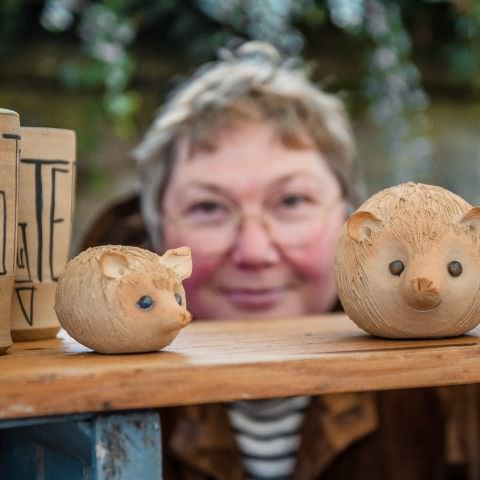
[
  {"x": 408, "y": 263},
  {"x": 117, "y": 299}
]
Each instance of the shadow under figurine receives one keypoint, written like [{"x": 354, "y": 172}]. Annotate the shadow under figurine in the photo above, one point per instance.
[
  {"x": 408, "y": 263},
  {"x": 117, "y": 299}
]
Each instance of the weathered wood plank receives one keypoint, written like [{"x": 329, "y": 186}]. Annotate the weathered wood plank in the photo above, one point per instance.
[
  {"x": 225, "y": 360},
  {"x": 128, "y": 446}
]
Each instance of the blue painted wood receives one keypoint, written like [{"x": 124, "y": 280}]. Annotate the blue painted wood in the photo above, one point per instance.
[
  {"x": 115, "y": 446},
  {"x": 128, "y": 446},
  {"x": 24, "y": 422},
  {"x": 23, "y": 460}
]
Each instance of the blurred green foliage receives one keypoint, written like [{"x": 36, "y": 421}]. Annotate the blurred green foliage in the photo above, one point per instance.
[{"x": 386, "y": 41}]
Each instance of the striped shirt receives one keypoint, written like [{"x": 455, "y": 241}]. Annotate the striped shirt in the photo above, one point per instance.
[{"x": 268, "y": 435}]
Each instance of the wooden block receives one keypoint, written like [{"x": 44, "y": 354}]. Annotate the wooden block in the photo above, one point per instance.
[
  {"x": 9, "y": 151},
  {"x": 46, "y": 194}
]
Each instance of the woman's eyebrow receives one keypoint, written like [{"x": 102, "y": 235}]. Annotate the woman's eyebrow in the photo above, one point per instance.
[
  {"x": 294, "y": 176},
  {"x": 225, "y": 190},
  {"x": 207, "y": 187}
]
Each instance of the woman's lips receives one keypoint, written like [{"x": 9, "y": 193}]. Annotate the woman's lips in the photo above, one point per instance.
[{"x": 254, "y": 299}]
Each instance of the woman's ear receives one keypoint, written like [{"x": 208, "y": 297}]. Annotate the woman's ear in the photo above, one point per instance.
[
  {"x": 361, "y": 225},
  {"x": 179, "y": 260}
]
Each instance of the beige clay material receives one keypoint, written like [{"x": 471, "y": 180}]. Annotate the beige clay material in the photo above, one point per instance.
[
  {"x": 9, "y": 152},
  {"x": 46, "y": 194},
  {"x": 408, "y": 263},
  {"x": 34, "y": 334},
  {"x": 117, "y": 299},
  {"x": 34, "y": 301},
  {"x": 6, "y": 287}
]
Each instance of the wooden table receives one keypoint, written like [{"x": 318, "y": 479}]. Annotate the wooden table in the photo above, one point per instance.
[{"x": 213, "y": 362}]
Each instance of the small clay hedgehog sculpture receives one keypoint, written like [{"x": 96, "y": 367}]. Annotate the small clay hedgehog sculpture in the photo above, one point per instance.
[
  {"x": 408, "y": 263},
  {"x": 116, "y": 299}
]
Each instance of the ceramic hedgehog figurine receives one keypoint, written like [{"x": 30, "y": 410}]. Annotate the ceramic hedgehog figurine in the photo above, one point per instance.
[
  {"x": 408, "y": 263},
  {"x": 116, "y": 299}
]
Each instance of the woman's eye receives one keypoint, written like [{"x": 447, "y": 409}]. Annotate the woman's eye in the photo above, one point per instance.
[
  {"x": 396, "y": 267},
  {"x": 293, "y": 200},
  {"x": 208, "y": 210},
  {"x": 145, "y": 303},
  {"x": 206, "y": 207},
  {"x": 455, "y": 268},
  {"x": 178, "y": 298}
]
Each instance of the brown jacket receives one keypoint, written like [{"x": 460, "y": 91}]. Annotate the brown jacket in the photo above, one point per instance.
[
  {"x": 199, "y": 443},
  {"x": 422, "y": 434},
  {"x": 395, "y": 435}
]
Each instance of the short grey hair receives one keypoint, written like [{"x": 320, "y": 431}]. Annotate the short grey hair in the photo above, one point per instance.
[{"x": 250, "y": 83}]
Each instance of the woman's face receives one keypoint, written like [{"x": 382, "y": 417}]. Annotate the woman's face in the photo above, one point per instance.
[{"x": 262, "y": 221}]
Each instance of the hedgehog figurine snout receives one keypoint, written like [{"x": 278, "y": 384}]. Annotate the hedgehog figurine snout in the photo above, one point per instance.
[
  {"x": 420, "y": 286},
  {"x": 421, "y": 294},
  {"x": 117, "y": 299},
  {"x": 408, "y": 263}
]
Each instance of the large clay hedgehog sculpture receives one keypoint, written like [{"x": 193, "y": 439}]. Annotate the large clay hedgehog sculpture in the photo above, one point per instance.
[
  {"x": 408, "y": 263},
  {"x": 116, "y": 299}
]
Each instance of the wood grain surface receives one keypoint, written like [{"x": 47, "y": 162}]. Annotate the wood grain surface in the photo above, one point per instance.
[{"x": 227, "y": 360}]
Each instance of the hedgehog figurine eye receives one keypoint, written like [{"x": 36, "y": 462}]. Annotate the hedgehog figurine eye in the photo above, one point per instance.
[
  {"x": 178, "y": 298},
  {"x": 145, "y": 303},
  {"x": 396, "y": 267},
  {"x": 455, "y": 268}
]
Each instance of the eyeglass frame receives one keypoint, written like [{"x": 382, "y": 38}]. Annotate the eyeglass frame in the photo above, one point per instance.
[{"x": 242, "y": 215}]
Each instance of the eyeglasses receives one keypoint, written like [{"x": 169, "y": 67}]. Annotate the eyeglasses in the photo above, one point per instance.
[{"x": 213, "y": 226}]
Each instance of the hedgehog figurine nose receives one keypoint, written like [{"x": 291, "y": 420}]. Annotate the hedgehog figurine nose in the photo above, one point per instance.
[
  {"x": 421, "y": 294},
  {"x": 185, "y": 318}
]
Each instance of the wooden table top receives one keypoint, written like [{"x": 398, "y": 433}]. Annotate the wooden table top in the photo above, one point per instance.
[{"x": 226, "y": 360}]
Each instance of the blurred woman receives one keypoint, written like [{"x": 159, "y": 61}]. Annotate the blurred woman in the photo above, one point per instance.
[{"x": 253, "y": 167}]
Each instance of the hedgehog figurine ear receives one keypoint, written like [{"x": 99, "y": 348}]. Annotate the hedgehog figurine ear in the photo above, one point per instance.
[
  {"x": 361, "y": 225},
  {"x": 179, "y": 260},
  {"x": 472, "y": 218},
  {"x": 113, "y": 264}
]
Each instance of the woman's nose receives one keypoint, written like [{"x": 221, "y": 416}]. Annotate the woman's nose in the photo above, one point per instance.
[{"x": 253, "y": 246}]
